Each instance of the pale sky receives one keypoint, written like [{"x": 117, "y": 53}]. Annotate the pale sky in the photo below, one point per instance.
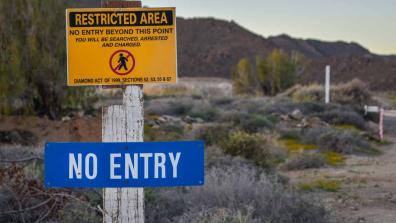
[{"x": 372, "y": 23}]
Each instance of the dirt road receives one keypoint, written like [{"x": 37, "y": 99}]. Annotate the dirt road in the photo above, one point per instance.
[{"x": 368, "y": 184}]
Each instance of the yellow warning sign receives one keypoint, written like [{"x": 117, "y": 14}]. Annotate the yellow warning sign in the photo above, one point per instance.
[{"x": 121, "y": 46}]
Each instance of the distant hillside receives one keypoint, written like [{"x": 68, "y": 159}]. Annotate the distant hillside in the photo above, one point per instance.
[
  {"x": 316, "y": 49},
  {"x": 210, "y": 47}
]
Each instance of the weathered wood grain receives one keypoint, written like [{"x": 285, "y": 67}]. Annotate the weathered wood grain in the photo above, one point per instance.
[{"x": 124, "y": 123}]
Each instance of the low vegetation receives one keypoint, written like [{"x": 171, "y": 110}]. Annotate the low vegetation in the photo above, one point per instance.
[
  {"x": 340, "y": 141},
  {"x": 321, "y": 184},
  {"x": 250, "y": 142},
  {"x": 250, "y": 146},
  {"x": 236, "y": 193},
  {"x": 33, "y": 61},
  {"x": 305, "y": 160},
  {"x": 354, "y": 93}
]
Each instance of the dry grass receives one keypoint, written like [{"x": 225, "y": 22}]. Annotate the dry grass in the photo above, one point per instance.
[
  {"x": 354, "y": 92},
  {"x": 305, "y": 160},
  {"x": 237, "y": 193}
]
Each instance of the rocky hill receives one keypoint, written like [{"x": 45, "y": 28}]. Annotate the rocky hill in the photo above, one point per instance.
[
  {"x": 315, "y": 49},
  {"x": 210, "y": 47}
]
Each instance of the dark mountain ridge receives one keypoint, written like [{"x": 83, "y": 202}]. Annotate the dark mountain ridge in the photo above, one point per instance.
[{"x": 209, "y": 47}]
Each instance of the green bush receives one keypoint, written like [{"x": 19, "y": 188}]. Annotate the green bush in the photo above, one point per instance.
[
  {"x": 33, "y": 60},
  {"x": 272, "y": 75},
  {"x": 253, "y": 123},
  {"x": 204, "y": 111},
  {"x": 165, "y": 132},
  {"x": 212, "y": 135},
  {"x": 244, "y": 79},
  {"x": 249, "y": 146}
]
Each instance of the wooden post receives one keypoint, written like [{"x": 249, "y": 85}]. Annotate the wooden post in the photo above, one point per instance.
[
  {"x": 327, "y": 85},
  {"x": 124, "y": 123},
  {"x": 381, "y": 124}
]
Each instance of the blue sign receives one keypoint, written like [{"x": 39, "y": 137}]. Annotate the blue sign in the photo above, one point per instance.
[{"x": 144, "y": 164}]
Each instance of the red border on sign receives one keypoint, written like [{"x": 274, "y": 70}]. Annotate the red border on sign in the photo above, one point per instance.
[{"x": 129, "y": 55}]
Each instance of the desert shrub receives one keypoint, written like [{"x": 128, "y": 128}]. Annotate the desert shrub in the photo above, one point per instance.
[
  {"x": 182, "y": 106},
  {"x": 204, "y": 111},
  {"x": 281, "y": 108},
  {"x": 218, "y": 215},
  {"x": 169, "y": 106},
  {"x": 175, "y": 127},
  {"x": 354, "y": 93},
  {"x": 335, "y": 140},
  {"x": 248, "y": 104},
  {"x": 252, "y": 122},
  {"x": 216, "y": 134},
  {"x": 156, "y": 91},
  {"x": 165, "y": 132},
  {"x": 310, "y": 93},
  {"x": 305, "y": 160},
  {"x": 284, "y": 107},
  {"x": 286, "y": 132},
  {"x": 240, "y": 190},
  {"x": 250, "y": 146},
  {"x": 76, "y": 212},
  {"x": 24, "y": 198},
  {"x": 21, "y": 192},
  {"x": 343, "y": 117},
  {"x": 221, "y": 101}
]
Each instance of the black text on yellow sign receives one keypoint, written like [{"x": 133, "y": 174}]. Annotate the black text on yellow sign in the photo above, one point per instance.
[{"x": 121, "y": 46}]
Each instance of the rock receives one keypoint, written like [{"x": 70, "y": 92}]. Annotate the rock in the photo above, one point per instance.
[
  {"x": 190, "y": 120},
  {"x": 160, "y": 120},
  {"x": 66, "y": 119},
  {"x": 80, "y": 114},
  {"x": 296, "y": 114},
  {"x": 167, "y": 118}
]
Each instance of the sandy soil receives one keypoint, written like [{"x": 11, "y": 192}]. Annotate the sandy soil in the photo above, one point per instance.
[
  {"x": 368, "y": 188},
  {"x": 86, "y": 129}
]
